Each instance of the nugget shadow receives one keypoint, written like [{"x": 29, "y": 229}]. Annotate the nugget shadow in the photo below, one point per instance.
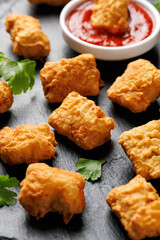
[
  {"x": 5, "y": 118},
  {"x": 136, "y": 119},
  {"x": 55, "y": 221},
  {"x": 52, "y": 106},
  {"x": 98, "y": 153},
  {"x": 111, "y": 70},
  {"x": 17, "y": 171},
  {"x": 6, "y": 238},
  {"x": 93, "y": 98},
  {"x": 154, "y": 238},
  {"x": 156, "y": 184},
  {"x": 49, "y": 221},
  {"x": 40, "y": 64},
  {"x": 116, "y": 227},
  {"x": 45, "y": 10}
]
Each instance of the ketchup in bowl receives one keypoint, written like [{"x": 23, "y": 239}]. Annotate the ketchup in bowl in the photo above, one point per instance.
[{"x": 79, "y": 24}]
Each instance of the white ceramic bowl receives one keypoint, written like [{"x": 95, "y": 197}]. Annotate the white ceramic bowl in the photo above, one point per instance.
[{"x": 111, "y": 53}]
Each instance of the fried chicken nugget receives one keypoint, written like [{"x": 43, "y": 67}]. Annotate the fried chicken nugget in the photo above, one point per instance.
[
  {"x": 82, "y": 121},
  {"x": 146, "y": 222},
  {"x": 27, "y": 144},
  {"x": 138, "y": 206},
  {"x": 6, "y": 97},
  {"x": 142, "y": 146},
  {"x": 76, "y": 74},
  {"x": 111, "y": 14},
  {"x": 50, "y": 2},
  {"x": 137, "y": 87},
  {"x": 46, "y": 189},
  {"x": 28, "y": 40}
]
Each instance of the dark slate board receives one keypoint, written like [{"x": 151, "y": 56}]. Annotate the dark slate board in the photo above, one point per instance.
[{"x": 97, "y": 222}]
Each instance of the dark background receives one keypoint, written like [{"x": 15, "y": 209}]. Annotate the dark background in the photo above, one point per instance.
[{"x": 97, "y": 222}]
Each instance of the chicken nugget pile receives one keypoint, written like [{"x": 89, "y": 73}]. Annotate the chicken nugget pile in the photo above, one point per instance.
[
  {"x": 82, "y": 122},
  {"x": 6, "y": 97},
  {"x": 46, "y": 189},
  {"x": 28, "y": 40}
]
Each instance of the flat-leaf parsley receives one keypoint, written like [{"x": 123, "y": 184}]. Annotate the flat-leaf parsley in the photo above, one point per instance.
[
  {"x": 7, "y": 196},
  {"x": 19, "y": 75},
  {"x": 90, "y": 169}
]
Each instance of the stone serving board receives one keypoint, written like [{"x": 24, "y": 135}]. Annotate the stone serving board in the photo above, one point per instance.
[{"x": 97, "y": 222}]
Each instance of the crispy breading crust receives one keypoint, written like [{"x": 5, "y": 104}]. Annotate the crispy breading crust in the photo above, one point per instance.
[
  {"x": 46, "y": 189},
  {"x": 82, "y": 121},
  {"x": 50, "y": 2},
  {"x": 111, "y": 14},
  {"x": 137, "y": 205},
  {"x": 142, "y": 146},
  {"x": 28, "y": 40},
  {"x": 137, "y": 87},
  {"x": 75, "y": 74},
  {"x": 6, "y": 97},
  {"x": 146, "y": 221},
  {"x": 27, "y": 144}
]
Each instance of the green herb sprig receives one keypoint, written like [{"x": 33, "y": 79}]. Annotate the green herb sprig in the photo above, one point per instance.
[
  {"x": 7, "y": 196},
  {"x": 19, "y": 75},
  {"x": 90, "y": 169}
]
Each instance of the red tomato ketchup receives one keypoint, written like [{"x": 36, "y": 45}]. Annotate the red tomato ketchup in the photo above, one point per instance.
[{"x": 79, "y": 24}]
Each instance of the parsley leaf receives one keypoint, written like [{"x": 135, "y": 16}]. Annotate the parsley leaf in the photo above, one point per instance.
[
  {"x": 6, "y": 196},
  {"x": 90, "y": 169},
  {"x": 157, "y": 4},
  {"x": 5, "y": 181},
  {"x": 19, "y": 75}
]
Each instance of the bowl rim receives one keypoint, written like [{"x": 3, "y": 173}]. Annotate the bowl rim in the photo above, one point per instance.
[{"x": 154, "y": 14}]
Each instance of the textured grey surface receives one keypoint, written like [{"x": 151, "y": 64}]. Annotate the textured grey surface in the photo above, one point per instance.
[{"x": 97, "y": 222}]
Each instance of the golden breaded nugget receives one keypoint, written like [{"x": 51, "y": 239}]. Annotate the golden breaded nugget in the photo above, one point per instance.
[
  {"x": 75, "y": 74},
  {"x": 6, "y": 97},
  {"x": 146, "y": 222},
  {"x": 130, "y": 201},
  {"x": 137, "y": 87},
  {"x": 27, "y": 144},
  {"x": 142, "y": 146},
  {"x": 28, "y": 40},
  {"x": 46, "y": 189},
  {"x": 111, "y": 14},
  {"x": 50, "y": 2},
  {"x": 82, "y": 121}
]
